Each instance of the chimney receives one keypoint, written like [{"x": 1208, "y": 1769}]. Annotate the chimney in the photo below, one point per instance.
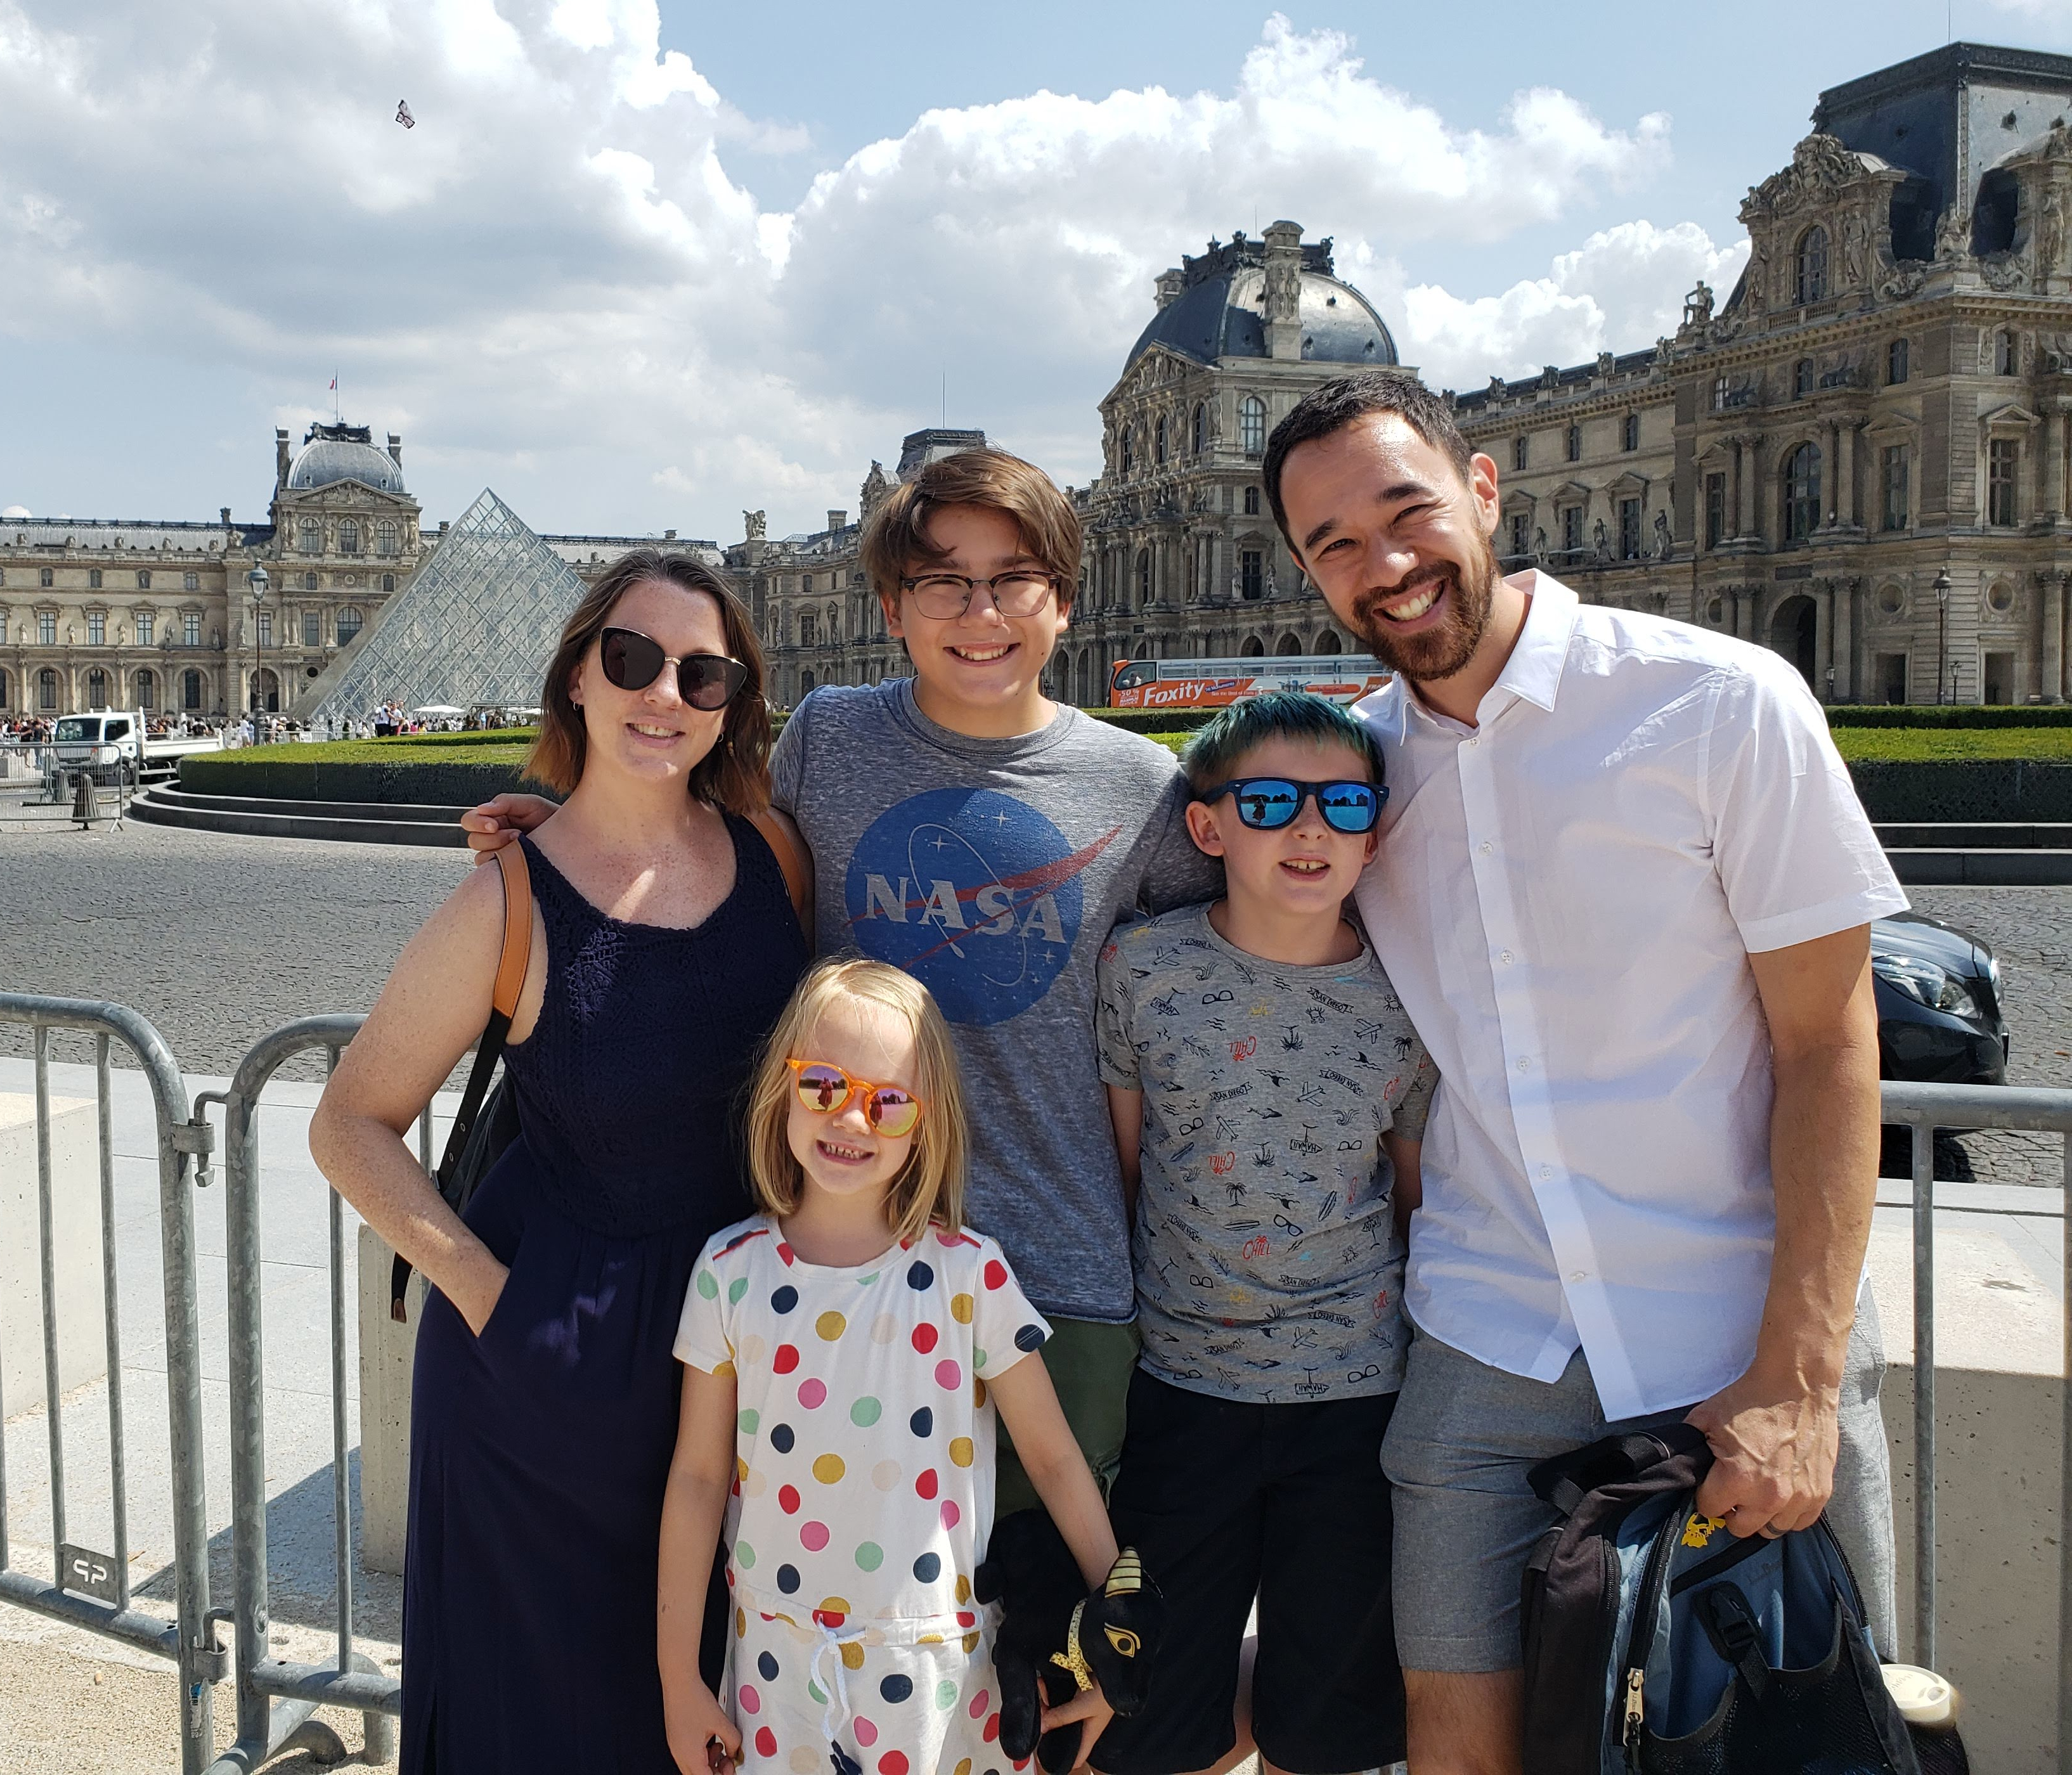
[
  {"x": 226, "y": 517},
  {"x": 280, "y": 459},
  {"x": 668, "y": 536},
  {"x": 1284, "y": 291},
  {"x": 1170, "y": 284},
  {"x": 395, "y": 448},
  {"x": 837, "y": 520}
]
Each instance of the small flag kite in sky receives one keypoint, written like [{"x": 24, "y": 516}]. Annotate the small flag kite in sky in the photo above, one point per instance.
[{"x": 403, "y": 114}]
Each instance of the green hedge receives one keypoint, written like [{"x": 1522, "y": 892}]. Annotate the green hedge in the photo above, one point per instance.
[
  {"x": 1153, "y": 721},
  {"x": 419, "y": 782},
  {"x": 1948, "y": 715}
]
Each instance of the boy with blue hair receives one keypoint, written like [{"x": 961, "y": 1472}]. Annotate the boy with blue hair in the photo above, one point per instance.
[{"x": 1268, "y": 1093}]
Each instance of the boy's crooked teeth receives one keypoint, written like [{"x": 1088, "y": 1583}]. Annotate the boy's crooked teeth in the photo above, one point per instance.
[
  {"x": 1415, "y": 608},
  {"x": 1305, "y": 866}
]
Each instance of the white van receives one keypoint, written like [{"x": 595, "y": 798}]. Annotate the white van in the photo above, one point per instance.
[{"x": 109, "y": 741}]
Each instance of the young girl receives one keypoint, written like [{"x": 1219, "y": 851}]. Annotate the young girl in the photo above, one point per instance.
[{"x": 843, "y": 1351}]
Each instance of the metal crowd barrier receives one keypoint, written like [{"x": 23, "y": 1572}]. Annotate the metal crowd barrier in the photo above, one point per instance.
[
  {"x": 87, "y": 1588},
  {"x": 351, "y": 1679},
  {"x": 36, "y": 783}
]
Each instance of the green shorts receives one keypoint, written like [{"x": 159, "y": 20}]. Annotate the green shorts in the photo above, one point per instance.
[{"x": 1090, "y": 1365}]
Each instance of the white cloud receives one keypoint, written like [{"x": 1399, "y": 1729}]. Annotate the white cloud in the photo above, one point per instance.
[{"x": 555, "y": 284}]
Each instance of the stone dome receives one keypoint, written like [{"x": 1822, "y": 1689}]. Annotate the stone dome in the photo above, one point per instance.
[
  {"x": 1216, "y": 308},
  {"x": 324, "y": 460}
]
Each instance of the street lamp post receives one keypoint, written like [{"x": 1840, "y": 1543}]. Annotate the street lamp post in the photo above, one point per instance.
[
  {"x": 257, "y": 580},
  {"x": 1942, "y": 631}
]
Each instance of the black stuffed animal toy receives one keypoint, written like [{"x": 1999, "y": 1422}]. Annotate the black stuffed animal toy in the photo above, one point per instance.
[{"x": 1055, "y": 1639}]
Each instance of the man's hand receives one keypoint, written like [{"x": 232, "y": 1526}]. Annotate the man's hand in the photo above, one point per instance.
[
  {"x": 496, "y": 823},
  {"x": 694, "y": 1719},
  {"x": 1089, "y": 1705},
  {"x": 1773, "y": 1448}
]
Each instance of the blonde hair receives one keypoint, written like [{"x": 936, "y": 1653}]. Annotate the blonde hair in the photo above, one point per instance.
[{"x": 931, "y": 1185}]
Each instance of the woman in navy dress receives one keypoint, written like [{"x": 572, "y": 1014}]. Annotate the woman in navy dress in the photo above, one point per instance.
[{"x": 545, "y": 1404}]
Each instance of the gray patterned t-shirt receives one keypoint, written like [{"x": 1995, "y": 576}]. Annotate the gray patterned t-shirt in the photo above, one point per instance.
[{"x": 1269, "y": 1265}]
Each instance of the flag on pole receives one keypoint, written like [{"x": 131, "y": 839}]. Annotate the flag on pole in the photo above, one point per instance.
[{"x": 334, "y": 384}]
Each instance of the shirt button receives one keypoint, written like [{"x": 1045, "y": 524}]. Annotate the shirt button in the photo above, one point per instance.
[
  {"x": 1486, "y": 847},
  {"x": 1525, "y": 1065},
  {"x": 1474, "y": 739},
  {"x": 1546, "y": 1171},
  {"x": 1579, "y": 1276},
  {"x": 1507, "y": 955}
]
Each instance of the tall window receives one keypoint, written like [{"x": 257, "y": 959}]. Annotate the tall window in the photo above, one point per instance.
[
  {"x": 1252, "y": 426},
  {"x": 1129, "y": 449},
  {"x": 1144, "y": 575},
  {"x": 1158, "y": 443},
  {"x": 97, "y": 689},
  {"x": 313, "y": 628},
  {"x": 2007, "y": 355},
  {"x": 1802, "y": 379},
  {"x": 312, "y": 535},
  {"x": 190, "y": 628},
  {"x": 1572, "y": 528},
  {"x": 809, "y": 629},
  {"x": 1517, "y": 451},
  {"x": 143, "y": 579},
  {"x": 3, "y": 690},
  {"x": 1812, "y": 267},
  {"x": 388, "y": 582},
  {"x": 1719, "y": 394},
  {"x": 47, "y": 688},
  {"x": 309, "y": 582},
  {"x": 1251, "y": 574},
  {"x": 94, "y": 579},
  {"x": 147, "y": 624},
  {"x": 265, "y": 628},
  {"x": 1629, "y": 541},
  {"x": 1575, "y": 443},
  {"x": 1802, "y": 493},
  {"x": 1716, "y": 510},
  {"x": 1896, "y": 363},
  {"x": 190, "y": 690},
  {"x": 1251, "y": 502},
  {"x": 348, "y": 624},
  {"x": 191, "y": 582},
  {"x": 46, "y": 628},
  {"x": 2002, "y": 461},
  {"x": 147, "y": 690},
  {"x": 1897, "y": 513},
  {"x": 1201, "y": 437},
  {"x": 1521, "y": 534},
  {"x": 348, "y": 535},
  {"x": 43, "y": 576},
  {"x": 1629, "y": 432},
  {"x": 386, "y": 537},
  {"x": 97, "y": 628}
]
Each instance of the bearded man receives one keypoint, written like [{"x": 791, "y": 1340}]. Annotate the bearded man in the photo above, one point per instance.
[{"x": 1624, "y": 890}]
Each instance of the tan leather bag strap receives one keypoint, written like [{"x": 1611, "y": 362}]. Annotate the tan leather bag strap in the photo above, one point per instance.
[
  {"x": 790, "y": 859},
  {"x": 517, "y": 954}
]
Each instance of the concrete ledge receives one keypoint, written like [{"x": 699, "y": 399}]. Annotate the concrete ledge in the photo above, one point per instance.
[
  {"x": 276, "y": 817},
  {"x": 2009, "y": 834},
  {"x": 76, "y": 1249},
  {"x": 1982, "y": 867},
  {"x": 423, "y": 813}
]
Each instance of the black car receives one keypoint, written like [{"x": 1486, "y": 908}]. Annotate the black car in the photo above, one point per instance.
[{"x": 1939, "y": 1022}]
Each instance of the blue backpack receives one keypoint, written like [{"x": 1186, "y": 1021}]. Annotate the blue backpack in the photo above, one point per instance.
[{"x": 1658, "y": 1644}]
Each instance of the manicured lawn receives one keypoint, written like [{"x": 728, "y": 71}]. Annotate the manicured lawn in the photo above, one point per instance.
[
  {"x": 1939, "y": 745},
  {"x": 501, "y": 745}
]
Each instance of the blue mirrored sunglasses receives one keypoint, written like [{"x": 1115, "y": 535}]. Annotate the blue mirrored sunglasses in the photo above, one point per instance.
[{"x": 1268, "y": 803}]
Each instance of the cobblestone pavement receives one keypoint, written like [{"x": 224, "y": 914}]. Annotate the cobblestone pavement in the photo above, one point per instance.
[
  {"x": 218, "y": 940},
  {"x": 2030, "y": 929},
  {"x": 215, "y": 938}
]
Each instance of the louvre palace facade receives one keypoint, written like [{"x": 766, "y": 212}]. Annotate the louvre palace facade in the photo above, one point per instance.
[{"x": 1861, "y": 456}]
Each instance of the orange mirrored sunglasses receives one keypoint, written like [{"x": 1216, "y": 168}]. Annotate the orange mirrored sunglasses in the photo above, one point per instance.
[{"x": 892, "y": 1109}]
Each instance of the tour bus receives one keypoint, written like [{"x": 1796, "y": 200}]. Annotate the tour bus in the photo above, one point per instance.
[{"x": 1214, "y": 684}]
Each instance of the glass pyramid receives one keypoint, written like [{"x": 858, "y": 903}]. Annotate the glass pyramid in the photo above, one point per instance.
[{"x": 477, "y": 625}]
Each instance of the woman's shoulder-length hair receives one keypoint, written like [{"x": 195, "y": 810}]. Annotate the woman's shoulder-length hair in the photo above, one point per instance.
[{"x": 735, "y": 774}]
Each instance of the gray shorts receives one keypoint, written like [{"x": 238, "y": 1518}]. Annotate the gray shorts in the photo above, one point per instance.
[{"x": 1457, "y": 1451}]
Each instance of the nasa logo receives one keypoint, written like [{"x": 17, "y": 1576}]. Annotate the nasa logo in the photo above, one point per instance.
[{"x": 973, "y": 893}]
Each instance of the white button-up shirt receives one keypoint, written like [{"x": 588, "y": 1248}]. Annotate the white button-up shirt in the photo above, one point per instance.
[{"x": 1565, "y": 897}]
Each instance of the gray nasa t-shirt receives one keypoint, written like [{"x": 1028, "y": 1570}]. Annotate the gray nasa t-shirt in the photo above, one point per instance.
[
  {"x": 992, "y": 870},
  {"x": 1269, "y": 1264}
]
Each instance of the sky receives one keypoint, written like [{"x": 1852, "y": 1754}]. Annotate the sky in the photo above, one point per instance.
[{"x": 641, "y": 266}]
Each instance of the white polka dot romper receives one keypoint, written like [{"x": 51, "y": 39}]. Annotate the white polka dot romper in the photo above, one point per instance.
[{"x": 863, "y": 1496}]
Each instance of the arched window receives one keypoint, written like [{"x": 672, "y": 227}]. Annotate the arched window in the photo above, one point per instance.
[
  {"x": 348, "y": 535},
  {"x": 385, "y": 536},
  {"x": 1254, "y": 648},
  {"x": 1329, "y": 642},
  {"x": 143, "y": 579},
  {"x": 97, "y": 689},
  {"x": 1802, "y": 379},
  {"x": 1144, "y": 575},
  {"x": 47, "y": 688},
  {"x": 1201, "y": 434},
  {"x": 94, "y": 579},
  {"x": 1252, "y": 426},
  {"x": 2007, "y": 358},
  {"x": 309, "y": 582},
  {"x": 1895, "y": 361},
  {"x": 1158, "y": 446},
  {"x": 388, "y": 582},
  {"x": 348, "y": 624},
  {"x": 1802, "y": 493},
  {"x": 147, "y": 689},
  {"x": 1811, "y": 284},
  {"x": 312, "y": 535},
  {"x": 190, "y": 690},
  {"x": 1290, "y": 646}
]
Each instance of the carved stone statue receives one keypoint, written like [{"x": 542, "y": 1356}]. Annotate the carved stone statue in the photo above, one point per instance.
[
  {"x": 1497, "y": 388},
  {"x": 1698, "y": 305},
  {"x": 1953, "y": 236},
  {"x": 753, "y": 525},
  {"x": 1540, "y": 541},
  {"x": 1604, "y": 362},
  {"x": 1601, "y": 540},
  {"x": 1854, "y": 241},
  {"x": 1273, "y": 589},
  {"x": 2054, "y": 227},
  {"x": 1663, "y": 541},
  {"x": 875, "y": 486}
]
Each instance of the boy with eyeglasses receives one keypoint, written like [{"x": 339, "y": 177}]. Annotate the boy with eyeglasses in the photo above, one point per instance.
[
  {"x": 1270, "y": 1092},
  {"x": 967, "y": 829}
]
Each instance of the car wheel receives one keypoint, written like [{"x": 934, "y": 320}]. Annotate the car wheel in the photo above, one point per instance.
[{"x": 1953, "y": 1164}]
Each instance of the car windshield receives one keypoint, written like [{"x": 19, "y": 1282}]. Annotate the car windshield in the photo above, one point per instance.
[{"x": 73, "y": 728}]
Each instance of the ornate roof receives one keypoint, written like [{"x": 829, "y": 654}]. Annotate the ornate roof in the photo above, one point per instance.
[
  {"x": 1218, "y": 310},
  {"x": 331, "y": 454}
]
